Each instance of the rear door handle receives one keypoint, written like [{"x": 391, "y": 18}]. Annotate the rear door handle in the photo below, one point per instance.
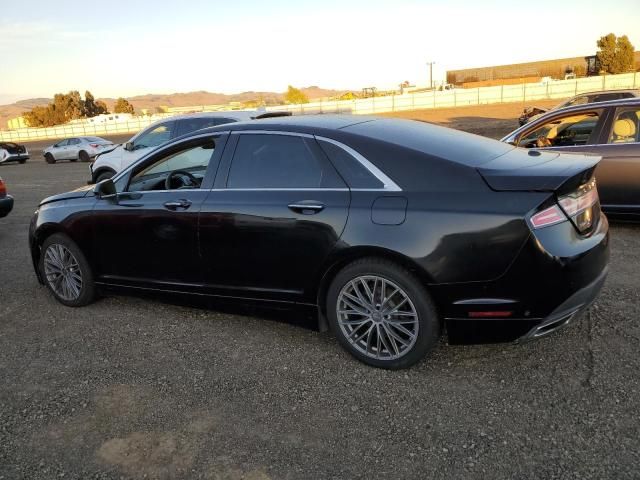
[
  {"x": 306, "y": 208},
  {"x": 178, "y": 204}
]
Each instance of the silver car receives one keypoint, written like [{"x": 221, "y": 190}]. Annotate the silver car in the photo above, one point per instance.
[{"x": 76, "y": 148}]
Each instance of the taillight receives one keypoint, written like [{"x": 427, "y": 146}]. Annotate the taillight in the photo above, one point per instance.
[
  {"x": 580, "y": 206},
  {"x": 3, "y": 188},
  {"x": 94, "y": 145},
  {"x": 548, "y": 216}
]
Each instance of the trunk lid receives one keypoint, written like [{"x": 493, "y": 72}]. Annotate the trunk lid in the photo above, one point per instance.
[{"x": 535, "y": 170}]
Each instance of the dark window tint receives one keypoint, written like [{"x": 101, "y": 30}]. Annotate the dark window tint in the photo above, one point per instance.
[
  {"x": 356, "y": 174},
  {"x": 188, "y": 125},
  {"x": 63, "y": 143},
  {"x": 74, "y": 141},
  {"x": 279, "y": 161}
]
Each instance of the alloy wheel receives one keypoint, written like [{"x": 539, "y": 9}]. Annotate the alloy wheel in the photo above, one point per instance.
[
  {"x": 377, "y": 317},
  {"x": 63, "y": 272}
]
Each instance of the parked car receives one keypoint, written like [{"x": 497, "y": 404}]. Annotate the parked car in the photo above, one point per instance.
[
  {"x": 6, "y": 200},
  {"x": 110, "y": 162},
  {"x": 608, "y": 129},
  {"x": 12, "y": 152},
  {"x": 531, "y": 113},
  {"x": 77, "y": 148},
  {"x": 391, "y": 228}
]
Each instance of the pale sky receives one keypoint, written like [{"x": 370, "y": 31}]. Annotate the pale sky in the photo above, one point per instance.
[{"x": 125, "y": 48}]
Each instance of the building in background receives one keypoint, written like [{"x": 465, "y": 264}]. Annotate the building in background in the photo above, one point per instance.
[
  {"x": 526, "y": 72},
  {"x": 16, "y": 123}
]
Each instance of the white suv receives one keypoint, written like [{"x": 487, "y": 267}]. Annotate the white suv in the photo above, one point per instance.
[{"x": 109, "y": 163}]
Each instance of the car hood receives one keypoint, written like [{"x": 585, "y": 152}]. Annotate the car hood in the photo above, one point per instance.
[{"x": 77, "y": 193}]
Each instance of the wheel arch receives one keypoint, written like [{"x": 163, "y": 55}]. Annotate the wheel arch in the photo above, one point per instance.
[
  {"x": 43, "y": 232},
  {"x": 352, "y": 254},
  {"x": 96, "y": 173}
]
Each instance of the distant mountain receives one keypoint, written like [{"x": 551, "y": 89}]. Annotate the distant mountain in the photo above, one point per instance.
[{"x": 153, "y": 101}]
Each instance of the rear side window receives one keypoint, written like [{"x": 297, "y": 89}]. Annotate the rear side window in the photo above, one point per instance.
[
  {"x": 356, "y": 174},
  {"x": 279, "y": 161},
  {"x": 626, "y": 127}
]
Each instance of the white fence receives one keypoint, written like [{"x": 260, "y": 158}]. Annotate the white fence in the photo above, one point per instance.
[
  {"x": 469, "y": 96},
  {"x": 449, "y": 98}
]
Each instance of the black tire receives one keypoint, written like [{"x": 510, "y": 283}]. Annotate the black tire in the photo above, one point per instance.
[
  {"x": 49, "y": 158},
  {"x": 21, "y": 161},
  {"x": 428, "y": 323},
  {"x": 84, "y": 156},
  {"x": 104, "y": 175},
  {"x": 87, "y": 291}
]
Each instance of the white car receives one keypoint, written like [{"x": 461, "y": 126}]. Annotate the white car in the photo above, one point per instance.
[
  {"x": 76, "y": 148},
  {"x": 12, "y": 152},
  {"x": 109, "y": 163}
]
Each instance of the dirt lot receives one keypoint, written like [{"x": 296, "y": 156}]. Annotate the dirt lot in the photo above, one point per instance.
[{"x": 136, "y": 388}]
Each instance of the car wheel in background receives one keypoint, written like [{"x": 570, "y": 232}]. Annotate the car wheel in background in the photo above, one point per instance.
[
  {"x": 83, "y": 156},
  {"x": 104, "y": 175},
  {"x": 382, "y": 314},
  {"x": 66, "y": 271},
  {"x": 49, "y": 158}
]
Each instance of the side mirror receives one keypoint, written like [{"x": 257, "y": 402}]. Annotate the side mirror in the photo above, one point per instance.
[
  {"x": 128, "y": 146},
  {"x": 105, "y": 189}
]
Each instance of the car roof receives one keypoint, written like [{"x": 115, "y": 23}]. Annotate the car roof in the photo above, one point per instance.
[
  {"x": 618, "y": 90},
  {"x": 446, "y": 143},
  {"x": 633, "y": 101}
]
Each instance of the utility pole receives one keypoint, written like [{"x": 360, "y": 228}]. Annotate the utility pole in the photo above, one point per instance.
[{"x": 431, "y": 74}]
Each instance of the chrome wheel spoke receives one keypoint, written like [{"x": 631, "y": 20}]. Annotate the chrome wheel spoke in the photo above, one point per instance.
[
  {"x": 62, "y": 272},
  {"x": 377, "y": 317}
]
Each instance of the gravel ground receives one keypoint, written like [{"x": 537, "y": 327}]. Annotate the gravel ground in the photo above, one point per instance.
[{"x": 132, "y": 387}]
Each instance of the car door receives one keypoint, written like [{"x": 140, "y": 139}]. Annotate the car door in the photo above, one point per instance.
[
  {"x": 148, "y": 234},
  {"x": 73, "y": 147},
  {"x": 618, "y": 174},
  {"x": 277, "y": 210},
  {"x": 146, "y": 141},
  {"x": 59, "y": 149}
]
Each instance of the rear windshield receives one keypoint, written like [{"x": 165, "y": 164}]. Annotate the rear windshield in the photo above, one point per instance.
[{"x": 446, "y": 143}]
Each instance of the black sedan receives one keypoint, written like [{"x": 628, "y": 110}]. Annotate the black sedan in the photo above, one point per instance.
[
  {"x": 610, "y": 130},
  {"x": 392, "y": 229},
  {"x": 6, "y": 200}
]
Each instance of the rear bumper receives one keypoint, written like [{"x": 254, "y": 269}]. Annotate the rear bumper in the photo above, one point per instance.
[
  {"x": 6, "y": 205},
  {"x": 556, "y": 276},
  {"x": 569, "y": 311}
]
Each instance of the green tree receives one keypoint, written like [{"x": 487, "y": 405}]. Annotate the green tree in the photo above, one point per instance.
[
  {"x": 123, "y": 106},
  {"x": 616, "y": 54},
  {"x": 295, "y": 95}
]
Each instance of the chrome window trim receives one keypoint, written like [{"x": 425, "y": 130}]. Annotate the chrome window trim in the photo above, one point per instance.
[
  {"x": 388, "y": 184},
  {"x": 271, "y": 132}
]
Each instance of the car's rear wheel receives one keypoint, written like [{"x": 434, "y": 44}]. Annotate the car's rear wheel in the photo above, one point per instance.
[
  {"x": 66, "y": 271},
  {"x": 382, "y": 314},
  {"x": 83, "y": 156},
  {"x": 49, "y": 158},
  {"x": 104, "y": 175}
]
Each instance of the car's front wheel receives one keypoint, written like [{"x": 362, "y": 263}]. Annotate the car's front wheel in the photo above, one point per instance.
[
  {"x": 66, "y": 271},
  {"x": 104, "y": 175},
  {"x": 49, "y": 158},
  {"x": 381, "y": 314}
]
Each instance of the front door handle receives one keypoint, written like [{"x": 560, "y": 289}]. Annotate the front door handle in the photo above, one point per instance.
[
  {"x": 178, "y": 204},
  {"x": 306, "y": 208}
]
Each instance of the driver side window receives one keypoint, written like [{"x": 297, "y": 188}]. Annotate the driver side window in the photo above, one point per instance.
[
  {"x": 562, "y": 132},
  {"x": 154, "y": 137},
  {"x": 177, "y": 170}
]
